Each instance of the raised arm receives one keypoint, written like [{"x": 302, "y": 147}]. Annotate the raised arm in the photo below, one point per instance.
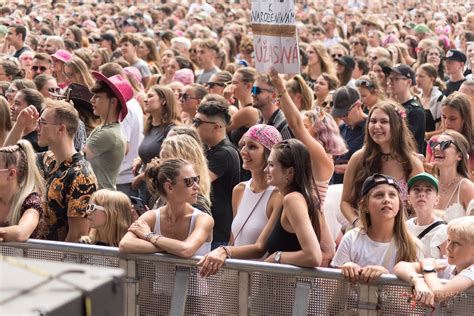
[{"x": 323, "y": 167}]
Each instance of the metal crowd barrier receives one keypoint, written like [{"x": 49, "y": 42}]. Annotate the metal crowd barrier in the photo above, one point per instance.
[{"x": 159, "y": 284}]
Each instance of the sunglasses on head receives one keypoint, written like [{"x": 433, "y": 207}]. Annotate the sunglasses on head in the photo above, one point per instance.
[
  {"x": 443, "y": 145},
  {"x": 211, "y": 85},
  {"x": 257, "y": 90},
  {"x": 40, "y": 68},
  {"x": 189, "y": 182},
  {"x": 364, "y": 83}
]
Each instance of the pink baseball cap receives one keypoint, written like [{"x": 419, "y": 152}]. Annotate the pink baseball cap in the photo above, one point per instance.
[
  {"x": 185, "y": 76},
  {"x": 62, "y": 55}
]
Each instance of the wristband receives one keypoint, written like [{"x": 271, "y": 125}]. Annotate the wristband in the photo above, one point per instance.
[
  {"x": 281, "y": 94},
  {"x": 157, "y": 237},
  {"x": 226, "y": 249}
]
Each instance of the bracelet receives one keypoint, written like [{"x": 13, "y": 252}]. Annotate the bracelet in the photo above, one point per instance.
[
  {"x": 227, "y": 251},
  {"x": 281, "y": 94},
  {"x": 149, "y": 236},
  {"x": 157, "y": 237}
]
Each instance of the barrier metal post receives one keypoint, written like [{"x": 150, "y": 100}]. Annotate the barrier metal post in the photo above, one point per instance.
[
  {"x": 243, "y": 293},
  {"x": 302, "y": 293},
  {"x": 368, "y": 300},
  {"x": 131, "y": 286},
  {"x": 180, "y": 292}
]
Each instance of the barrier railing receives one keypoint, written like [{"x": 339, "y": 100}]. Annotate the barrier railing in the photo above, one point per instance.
[{"x": 160, "y": 284}]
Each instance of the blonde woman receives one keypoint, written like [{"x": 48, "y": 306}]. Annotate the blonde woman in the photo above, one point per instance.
[
  {"x": 300, "y": 93},
  {"x": 21, "y": 191},
  {"x": 76, "y": 71},
  {"x": 109, "y": 214},
  {"x": 319, "y": 62}
]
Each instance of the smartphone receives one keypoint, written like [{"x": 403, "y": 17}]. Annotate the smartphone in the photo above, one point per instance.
[{"x": 138, "y": 205}]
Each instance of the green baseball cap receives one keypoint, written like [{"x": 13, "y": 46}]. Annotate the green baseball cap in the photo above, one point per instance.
[{"x": 424, "y": 176}]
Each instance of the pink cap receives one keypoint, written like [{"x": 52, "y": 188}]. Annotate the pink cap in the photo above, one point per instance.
[
  {"x": 185, "y": 76},
  {"x": 62, "y": 55}
]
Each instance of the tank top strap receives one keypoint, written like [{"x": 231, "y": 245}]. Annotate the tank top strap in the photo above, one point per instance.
[
  {"x": 157, "y": 229},
  {"x": 193, "y": 220},
  {"x": 458, "y": 188}
]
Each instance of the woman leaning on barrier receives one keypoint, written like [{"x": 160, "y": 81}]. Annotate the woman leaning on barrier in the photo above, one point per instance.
[
  {"x": 177, "y": 227},
  {"x": 109, "y": 213},
  {"x": 382, "y": 239},
  {"x": 459, "y": 268},
  {"x": 21, "y": 191},
  {"x": 293, "y": 237}
]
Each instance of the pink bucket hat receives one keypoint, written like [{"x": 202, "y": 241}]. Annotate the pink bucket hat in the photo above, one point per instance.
[
  {"x": 185, "y": 76},
  {"x": 265, "y": 135},
  {"x": 62, "y": 55},
  {"x": 121, "y": 88}
]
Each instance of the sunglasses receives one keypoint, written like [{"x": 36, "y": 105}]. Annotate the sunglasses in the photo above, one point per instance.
[
  {"x": 40, "y": 68},
  {"x": 197, "y": 122},
  {"x": 443, "y": 145},
  {"x": 192, "y": 51},
  {"x": 91, "y": 208},
  {"x": 257, "y": 90},
  {"x": 364, "y": 83},
  {"x": 189, "y": 182},
  {"x": 355, "y": 43},
  {"x": 54, "y": 91},
  {"x": 211, "y": 85},
  {"x": 185, "y": 96},
  {"x": 326, "y": 104},
  {"x": 334, "y": 56}
]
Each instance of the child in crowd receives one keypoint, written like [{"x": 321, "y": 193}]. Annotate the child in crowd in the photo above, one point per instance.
[
  {"x": 429, "y": 229},
  {"x": 424, "y": 275}
]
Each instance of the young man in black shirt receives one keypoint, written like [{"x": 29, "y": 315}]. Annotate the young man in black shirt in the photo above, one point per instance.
[
  {"x": 455, "y": 60},
  {"x": 400, "y": 80},
  {"x": 224, "y": 166}
]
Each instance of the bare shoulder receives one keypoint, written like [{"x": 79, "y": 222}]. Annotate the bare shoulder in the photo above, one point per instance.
[{"x": 239, "y": 188}]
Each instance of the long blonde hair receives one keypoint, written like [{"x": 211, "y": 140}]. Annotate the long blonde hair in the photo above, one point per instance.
[
  {"x": 23, "y": 158},
  {"x": 407, "y": 246},
  {"x": 77, "y": 65},
  {"x": 185, "y": 147},
  {"x": 119, "y": 217},
  {"x": 325, "y": 60}
]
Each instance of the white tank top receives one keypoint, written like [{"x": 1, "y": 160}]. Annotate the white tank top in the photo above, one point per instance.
[
  {"x": 455, "y": 209},
  {"x": 204, "y": 249},
  {"x": 258, "y": 219}
]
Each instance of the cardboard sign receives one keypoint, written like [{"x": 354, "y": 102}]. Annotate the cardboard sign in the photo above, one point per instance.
[{"x": 275, "y": 36}]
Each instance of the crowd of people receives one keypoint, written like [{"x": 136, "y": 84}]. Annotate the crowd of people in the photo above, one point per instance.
[{"x": 147, "y": 127}]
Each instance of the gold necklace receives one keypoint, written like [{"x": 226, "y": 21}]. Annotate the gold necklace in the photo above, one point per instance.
[{"x": 445, "y": 188}]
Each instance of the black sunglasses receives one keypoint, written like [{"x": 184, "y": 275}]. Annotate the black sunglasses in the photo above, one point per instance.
[
  {"x": 257, "y": 90},
  {"x": 189, "y": 182},
  {"x": 326, "y": 103},
  {"x": 443, "y": 145},
  {"x": 185, "y": 96},
  {"x": 40, "y": 68},
  {"x": 213, "y": 84},
  {"x": 334, "y": 56},
  {"x": 197, "y": 122}
]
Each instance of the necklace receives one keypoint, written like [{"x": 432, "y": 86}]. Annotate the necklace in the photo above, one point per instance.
[
  {"x": 386, "y": 157},
  {"x": 444, "y": 188}
]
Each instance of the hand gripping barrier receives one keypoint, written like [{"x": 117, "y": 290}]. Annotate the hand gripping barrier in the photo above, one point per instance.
[{"x": 160, "y": 284}]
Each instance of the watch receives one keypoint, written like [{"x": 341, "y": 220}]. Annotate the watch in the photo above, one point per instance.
[
  {"x": 428, "y": 269},
  {"x": 278, "y": 256}
]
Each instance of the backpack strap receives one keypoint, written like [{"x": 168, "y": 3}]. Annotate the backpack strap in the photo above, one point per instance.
[{"x": 430, "y": 228}]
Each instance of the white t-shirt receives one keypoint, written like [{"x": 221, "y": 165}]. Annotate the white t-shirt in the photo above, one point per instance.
[
  {"x": 432, "y": 240},
  {"x": 357, "y": 247},
  {"x": 448, "y": 273},
  {"x": 132, "y": 130}
]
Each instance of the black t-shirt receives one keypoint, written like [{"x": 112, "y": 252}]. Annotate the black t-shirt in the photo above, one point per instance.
[
  {"x": 224, "y": 162},
  {"x": 452, "y": 86},
  {"x": 416, "y": 122},
  {"x": 18, "y": 53}
]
